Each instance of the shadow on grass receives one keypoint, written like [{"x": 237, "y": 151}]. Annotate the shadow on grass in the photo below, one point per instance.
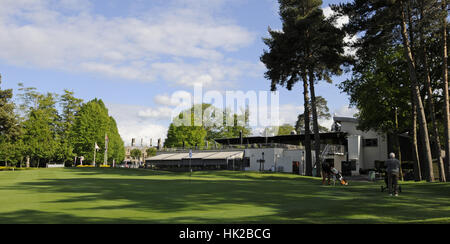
[
  {"x": 245, "y": 175},
  {"x": 162, "y": 197}
]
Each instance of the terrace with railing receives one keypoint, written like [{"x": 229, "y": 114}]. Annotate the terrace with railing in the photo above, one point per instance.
[
  {"x": 331, "y": 150},
  {"x": 219, "y": 147},
  {"x": 326, "y": 149}
]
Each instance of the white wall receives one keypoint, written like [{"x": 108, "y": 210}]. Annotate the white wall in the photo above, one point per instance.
[
  {"x": 55, "y": 166},
  {"x": 256, "y": 154},
  {"x": 355, "y": 151},
  {"x": 285, "y": 159},
  {"x": 288, "y": 157},
  {"x": 368, "y": 155},
  {"x": 338, "y": 159}
]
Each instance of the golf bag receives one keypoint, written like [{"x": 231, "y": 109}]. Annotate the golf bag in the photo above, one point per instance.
[{"x": 337, "y": 175}]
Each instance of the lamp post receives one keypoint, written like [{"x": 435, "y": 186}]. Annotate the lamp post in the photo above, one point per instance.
[
  {"x": 303, "y": 162},
  {"x": 277, "y": 156},
  {"x": 261, "y": 162},
  {"x": 190, "y": 165}
]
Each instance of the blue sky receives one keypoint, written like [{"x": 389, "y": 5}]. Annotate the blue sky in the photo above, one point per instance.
[{"x": 136, "y": 54}]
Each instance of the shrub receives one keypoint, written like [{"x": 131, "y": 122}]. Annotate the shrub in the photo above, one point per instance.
[{"x": 3, "y": 168}]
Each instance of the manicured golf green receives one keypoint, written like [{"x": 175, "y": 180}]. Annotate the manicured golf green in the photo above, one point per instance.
[{"x": 86, "y": 195}]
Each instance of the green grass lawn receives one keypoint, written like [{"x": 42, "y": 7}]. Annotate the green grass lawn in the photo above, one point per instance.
[{"x": 143, "y": 196}]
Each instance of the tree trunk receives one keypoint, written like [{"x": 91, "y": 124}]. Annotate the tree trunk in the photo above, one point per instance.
[
  {"x": 308, "y": 155},
  {"x": 416, "y": 158},
  {"x": 415, "y": 147},
  {"x": 417, "y": 97},
  {"x": 399, "y": 155},
  {"x": 431, "y": 107},
  {"x": 445, "y": 83},
  {"x": 435, "y": 132},
  {"x": 397, "y": 145},
  {"x": 318, "y": 162}
]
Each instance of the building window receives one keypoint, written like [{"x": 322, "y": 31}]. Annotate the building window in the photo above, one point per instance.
[{"x": 371, "y": 142}]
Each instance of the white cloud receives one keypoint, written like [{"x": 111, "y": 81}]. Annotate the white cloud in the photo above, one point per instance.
[
  {"x": 339, "y": 23},
  {"x": 158, "y": 113},
  {"x": 177, "y": 99},
  {"x": 66, "y": 35},
  {"x": 132, "y": 124},
  {"x": 346, "y": 111},
  {"x": 73, "y": 5},
  {"x": 146, "y": 131},
  {"x": 289, "y": 113},
  {"x": 165, "y": 100},
  {"x": 350, "y": 40}
]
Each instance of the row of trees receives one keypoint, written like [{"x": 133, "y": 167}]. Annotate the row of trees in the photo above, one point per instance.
[
  {"x": 401, "y": 65},
  {"x": 54, "y": 128},
  {"x": 399, "y": 77},
  {"x": 137, "y": 154},
  {"x": 185, "y": 132}
]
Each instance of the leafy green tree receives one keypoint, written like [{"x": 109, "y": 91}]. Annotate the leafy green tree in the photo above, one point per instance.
[
  {"x": 285, "y": 129},
  {"x": 323, "y": 112},
  {"x": 29, "y": 98},
  {"x": 151, "y": 152},
  {"x": 70, "y": 105},
  {"x": 385, "y": 24},
  {"x": 201, "y": 123},
  {"x": 51, "y": 134},
  {"x": 188, "y": 136},
  {"x": 92, "y": 124},
  {"x": 116, "y": 147},
  {"x": 136, "y": 154},
  {"x": 10, "y": 130},
  {"x": 40, "y": 130},
  {"x": 282, "y": 130},
  {"x": 382, "y": 83},
  {"x": 6, "y": 152},
  {"x": 239, "y": 125},
  {"x": 220, "y": 123}
]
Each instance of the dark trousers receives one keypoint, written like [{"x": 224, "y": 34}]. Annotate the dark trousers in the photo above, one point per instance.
[
  {"x": 393, "y": 183},
  {"x": 326, "y": 175}
]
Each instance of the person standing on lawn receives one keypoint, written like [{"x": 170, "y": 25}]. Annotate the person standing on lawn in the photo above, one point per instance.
[
  {"x": 326, "y": 172},
  {"x": 393, "y": 171}
]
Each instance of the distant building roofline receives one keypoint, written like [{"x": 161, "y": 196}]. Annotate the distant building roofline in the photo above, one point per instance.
[
  {"x": 345, "y": 119},
  {"x": 283, "y": 139}
]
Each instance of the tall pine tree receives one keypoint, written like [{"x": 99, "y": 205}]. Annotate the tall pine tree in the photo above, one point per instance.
[{"x": 308, "y": 48}]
